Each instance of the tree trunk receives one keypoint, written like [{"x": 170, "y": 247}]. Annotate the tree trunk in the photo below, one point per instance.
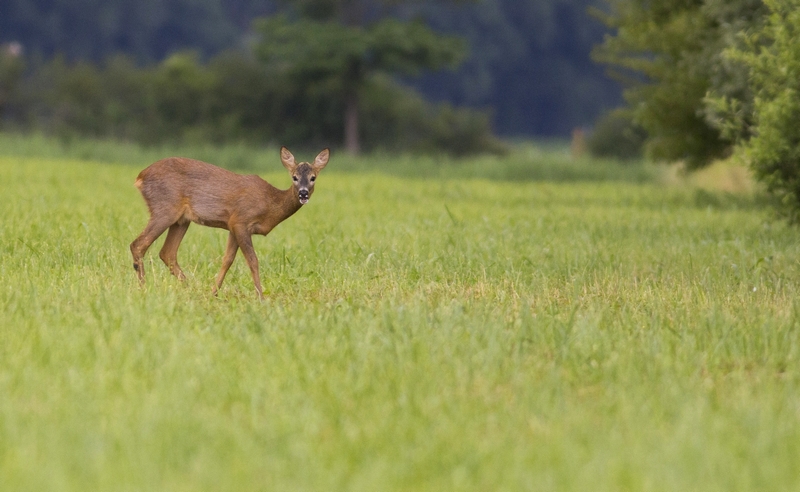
[{"x": 351, "y": 138}]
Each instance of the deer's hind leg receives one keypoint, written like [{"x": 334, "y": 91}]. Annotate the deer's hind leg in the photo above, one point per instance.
[
  {"x": 152, "y": 231},
  {"x": 169, "y": 252}
]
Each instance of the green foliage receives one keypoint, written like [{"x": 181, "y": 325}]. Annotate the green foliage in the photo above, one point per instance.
[
  {"x": 717, "y": 74},
  {"x": 772, "y": 56},
  {"x": 670, "y": 54},
  {"x": 426, "y": 335}
]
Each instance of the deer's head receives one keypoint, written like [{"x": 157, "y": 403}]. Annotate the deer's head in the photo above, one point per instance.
[{"x": 304, "y": 174}]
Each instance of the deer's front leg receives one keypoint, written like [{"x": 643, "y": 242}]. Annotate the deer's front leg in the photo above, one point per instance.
[
  {"x": 227, "y": 261},
  {"x": 246, "y": 244}
]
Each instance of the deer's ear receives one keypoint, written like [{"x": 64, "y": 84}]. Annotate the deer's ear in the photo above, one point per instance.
[
  {"x": 322, "y": 160},
  {"x": 287, "y": 159}
]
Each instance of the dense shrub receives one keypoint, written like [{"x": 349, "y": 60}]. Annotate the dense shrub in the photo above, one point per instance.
[
  {"x": 615, "y": 135},
  {"x": 398, "y": 118}
]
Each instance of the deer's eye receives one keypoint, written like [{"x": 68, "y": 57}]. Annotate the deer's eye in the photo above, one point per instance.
[
  {"x": 294, "y": 178},
  {"x": 313, "y": 178}
]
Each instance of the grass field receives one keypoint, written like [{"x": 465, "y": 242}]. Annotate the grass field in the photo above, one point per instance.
[{"x": 427, "y": 334}]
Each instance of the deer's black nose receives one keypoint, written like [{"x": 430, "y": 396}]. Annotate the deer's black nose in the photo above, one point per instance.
[{"x": 303, "y": 196}]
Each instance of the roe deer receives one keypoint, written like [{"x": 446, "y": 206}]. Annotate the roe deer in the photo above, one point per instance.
[{"x": 179, "y": 191}]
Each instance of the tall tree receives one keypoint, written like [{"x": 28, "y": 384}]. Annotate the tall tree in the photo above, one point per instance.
[{"x": 337, "y": 46}]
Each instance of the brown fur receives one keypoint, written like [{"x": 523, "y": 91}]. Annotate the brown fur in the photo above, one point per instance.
[{"x": 179, "y": 191}]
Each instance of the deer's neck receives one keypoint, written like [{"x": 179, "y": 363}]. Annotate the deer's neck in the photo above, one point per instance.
[{"x": 288, "y": 203}]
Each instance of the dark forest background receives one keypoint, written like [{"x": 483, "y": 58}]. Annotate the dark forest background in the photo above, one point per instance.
[{"x": 525, "y": 70}]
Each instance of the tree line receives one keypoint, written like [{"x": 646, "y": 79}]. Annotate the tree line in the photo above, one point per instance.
[
  {"x": 319, "y": 73},
  {"x": 524, "y": 64},
  {"x": 230, "y": 98}
]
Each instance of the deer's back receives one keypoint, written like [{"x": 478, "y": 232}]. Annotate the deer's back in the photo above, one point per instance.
[{"x": 196, "y": 191}]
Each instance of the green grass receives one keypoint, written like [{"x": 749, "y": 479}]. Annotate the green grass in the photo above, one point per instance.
[{"x": 420, "y": 334}]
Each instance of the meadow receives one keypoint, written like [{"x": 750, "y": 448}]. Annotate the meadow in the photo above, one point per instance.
[{"x": 509, "y": 323}]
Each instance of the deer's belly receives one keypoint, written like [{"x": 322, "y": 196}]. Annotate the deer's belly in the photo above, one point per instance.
[{"x": 211, "y": 223}]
